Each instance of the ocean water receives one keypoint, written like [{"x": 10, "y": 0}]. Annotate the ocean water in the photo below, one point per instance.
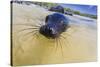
[{"x": 77, "y": 44}]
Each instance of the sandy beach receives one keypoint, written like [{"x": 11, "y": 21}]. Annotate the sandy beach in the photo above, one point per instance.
[{"x": 78, "y": 45}]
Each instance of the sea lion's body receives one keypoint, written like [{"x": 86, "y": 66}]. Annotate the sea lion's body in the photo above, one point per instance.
[
  {"x": 59, "y": 9},
  {"x": 37, "y": 49}
]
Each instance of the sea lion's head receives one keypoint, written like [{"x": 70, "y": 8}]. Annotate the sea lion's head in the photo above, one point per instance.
[{"x": 55, "y": 24}]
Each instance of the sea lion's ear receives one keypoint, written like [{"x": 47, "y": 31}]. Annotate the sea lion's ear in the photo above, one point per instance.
[{"x": 46, "y": 19}]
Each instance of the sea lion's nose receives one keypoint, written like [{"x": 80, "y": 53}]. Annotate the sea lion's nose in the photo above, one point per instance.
[{"x": 51, "y": 30}]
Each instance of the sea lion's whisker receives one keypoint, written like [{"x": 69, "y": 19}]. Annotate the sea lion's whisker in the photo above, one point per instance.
[
  {"x": 39, "y": 25},
  {"x": 66, "y": 33},
  {"x": 62, "y": 36},
  {"x": 28, "y": 25},
  {"x": 31, "y": 36},
  {"x": 37, "y": 35},
  {"x": 19, "y": 47},
  {"x": 65, "y": 39},
  {"x": 28, "y": 29},
  {"x": 61, "y": 47},
  {"x": 56, "y": 44},
  {"x": 25, "y": 34},
  {"x": 32, "y": 33}
]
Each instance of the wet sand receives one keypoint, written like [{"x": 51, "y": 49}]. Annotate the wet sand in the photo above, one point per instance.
[{"x": 78, "y": 44}]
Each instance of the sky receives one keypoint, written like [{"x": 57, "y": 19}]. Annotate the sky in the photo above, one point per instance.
[{"x": 89, "y": 9}]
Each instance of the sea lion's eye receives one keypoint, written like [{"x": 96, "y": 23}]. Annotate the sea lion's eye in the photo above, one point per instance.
[{"x": 46, "y": 19}]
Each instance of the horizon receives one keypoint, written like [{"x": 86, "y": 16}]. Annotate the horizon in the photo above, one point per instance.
[{"x": 88, "y": 9}]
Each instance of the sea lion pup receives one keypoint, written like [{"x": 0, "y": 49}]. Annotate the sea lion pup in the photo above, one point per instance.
[{"x": 56, "y": 23}]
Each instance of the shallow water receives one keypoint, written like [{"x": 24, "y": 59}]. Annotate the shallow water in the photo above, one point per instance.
[{"x": 77, "y": 44}]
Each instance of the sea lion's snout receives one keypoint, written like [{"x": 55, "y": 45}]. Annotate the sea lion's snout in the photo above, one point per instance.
[
  {"x": 49, "y": 31},
  {"x": 55, "y": 24}
]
